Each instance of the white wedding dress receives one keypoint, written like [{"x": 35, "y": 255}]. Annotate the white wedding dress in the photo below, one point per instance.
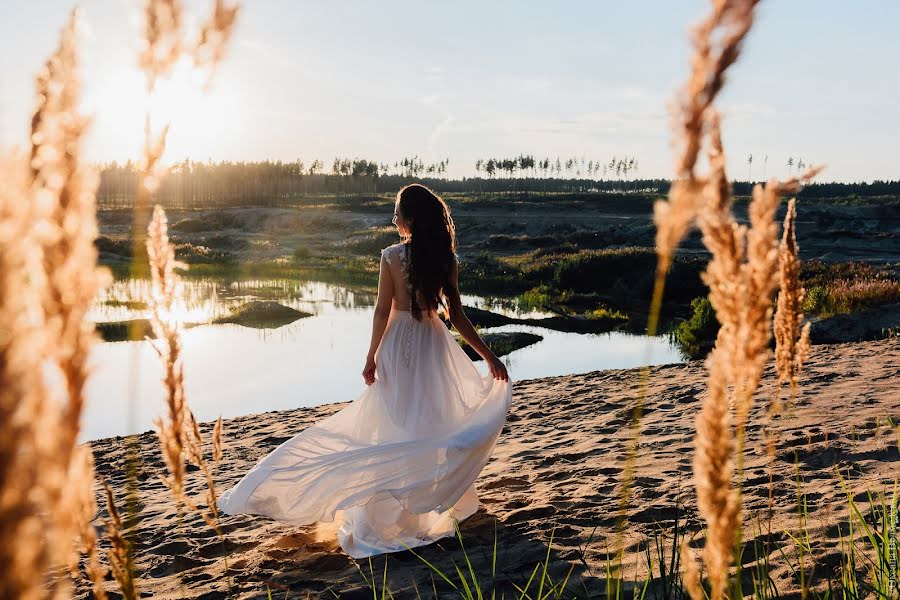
[{"x": 397, "y": 465}]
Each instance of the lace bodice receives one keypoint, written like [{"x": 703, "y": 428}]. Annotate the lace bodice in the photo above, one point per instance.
[
  {"x": 397, "y": 259},
  {"x": 400, "y": 253}
]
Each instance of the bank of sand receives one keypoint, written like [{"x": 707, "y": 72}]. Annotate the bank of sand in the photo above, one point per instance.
[{"x": 556, "y": 468}]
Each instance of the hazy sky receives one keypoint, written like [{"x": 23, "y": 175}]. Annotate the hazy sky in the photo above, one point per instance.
[{"x": 381, "y": 80}]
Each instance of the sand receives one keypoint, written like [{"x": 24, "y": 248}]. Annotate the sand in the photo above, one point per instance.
[{"x": 557, "y": 468}]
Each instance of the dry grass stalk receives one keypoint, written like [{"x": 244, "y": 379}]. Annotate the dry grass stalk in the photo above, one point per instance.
[
  {"x": 70, "y": 259},
  {"x": 716, "y": 45},
  {"x": 791, "y": 337},
  {"x": 163, "y": 43},
  {"x": 215, "y": 35},
  {"x": 86, "y": 504},
  {"x": 717, "y": 500},
  {"x": 152, "y": 171},
  {"x": 740, "y": 277},
  {"x": 173, "y": 432},
  {"x": 120, "y": 554},
  {"x": 71, "y": 276},
  {"x": 179, "y": 436},
  {"x": 717, "y": 42},
  {"x": 23, "y": 397},
  {"x": 49, "y": 278}
]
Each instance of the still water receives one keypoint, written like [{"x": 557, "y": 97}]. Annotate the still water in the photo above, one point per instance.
[{"x": 234, "y": 370}]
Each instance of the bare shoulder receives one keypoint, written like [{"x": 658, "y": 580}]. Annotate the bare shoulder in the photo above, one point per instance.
[{"x": 390, "y": 253}]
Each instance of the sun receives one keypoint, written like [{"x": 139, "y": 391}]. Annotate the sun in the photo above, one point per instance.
[{"x": 205, "y": 117}]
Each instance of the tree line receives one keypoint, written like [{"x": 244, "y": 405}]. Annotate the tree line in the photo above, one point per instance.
[
  {"x": 525, "y": 165},
  {"x": 191, "y": 184}
]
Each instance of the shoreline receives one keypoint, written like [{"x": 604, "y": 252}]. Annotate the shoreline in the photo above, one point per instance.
[{"x": 557, "y": 467}]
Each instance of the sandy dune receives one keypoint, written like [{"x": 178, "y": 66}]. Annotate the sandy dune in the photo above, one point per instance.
[{"x": 557, "y": 467}]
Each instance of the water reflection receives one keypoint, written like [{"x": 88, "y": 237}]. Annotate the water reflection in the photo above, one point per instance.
[
  {"x": 199, "y": 301},
  {"x": 233, "y": 370}
]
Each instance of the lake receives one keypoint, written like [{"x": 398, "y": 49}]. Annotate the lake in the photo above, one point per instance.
[{"x": 234, "y": 370}]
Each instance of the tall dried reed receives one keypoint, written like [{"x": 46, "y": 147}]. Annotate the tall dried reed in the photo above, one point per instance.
[
  {"x": 120, "y": 554},
  {"x": 72, "y": 278},
  {"x": 742, "y": 278},
  {"x": 24, "y": 405},
  {"x": 163, "y": 39},
  {"x": 179, "y": 434},
  {"x": 791, "y": 336},
  {"x": 215, "y": 34},
  {"x": 49, "y": 278},
  {"x": 173, "y": 431},
  {"x": 165, "y": 43},
  {"x": 706, "y": 200},
  {"x": 716, "y": 43}
]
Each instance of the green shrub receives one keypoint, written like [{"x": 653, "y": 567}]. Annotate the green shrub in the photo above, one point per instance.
[
  {"x": 815, "y": 301},
  {"x": 605, "y": 313},
  {"x": 588, "y": 270},
  {"x": 543, "y": 297},
  {"x": 846, "y": 296},
  {"x": 697, "y": 335},
  {"x": 301, "y": 254},
  {"x": 627, "y": 272}
]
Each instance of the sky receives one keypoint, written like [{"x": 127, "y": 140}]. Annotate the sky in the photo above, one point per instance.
[{"x": 818, "y": 80}]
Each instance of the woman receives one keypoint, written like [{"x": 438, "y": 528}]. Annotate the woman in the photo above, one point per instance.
[{"x": 397, "y": 465}]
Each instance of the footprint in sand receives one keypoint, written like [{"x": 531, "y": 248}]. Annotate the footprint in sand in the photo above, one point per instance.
[{"x": 505, "y": 482}]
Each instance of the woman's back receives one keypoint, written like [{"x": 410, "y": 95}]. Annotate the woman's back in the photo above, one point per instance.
[{"x": 397, "y": 259}]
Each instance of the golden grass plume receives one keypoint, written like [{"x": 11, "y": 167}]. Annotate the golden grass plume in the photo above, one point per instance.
[
  {"x": 791, "y": 336},
  {"x": 179, "y": 434},
  {"x": 173, "y": 431},
  {"x": 742, "y": 277},
  {"x": 716, "y": 43},
  {"x": 120, "y": 554},
  {"x": 162, "y": 39},
  {"x": 24, "y": 405},
  {"x": 215, "y": 35},
  {"x": 48, "y": 279}
]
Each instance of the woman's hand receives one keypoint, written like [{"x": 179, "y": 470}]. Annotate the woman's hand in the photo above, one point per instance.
[
  {"x": 498, "y": 369},
  {"x": 369, "y": 370}
]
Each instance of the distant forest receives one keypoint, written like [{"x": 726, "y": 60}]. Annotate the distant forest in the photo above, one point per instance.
[{"x": 205, "y": 185}]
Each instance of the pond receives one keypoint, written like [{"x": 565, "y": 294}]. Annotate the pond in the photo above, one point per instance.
[{"x": 234, "y": 370}]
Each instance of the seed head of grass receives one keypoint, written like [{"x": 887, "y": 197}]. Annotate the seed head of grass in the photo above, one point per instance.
[
  {"x": 162, "y": 39},
  {"x": 215, "y": 35},
  {"x": 173, "y": 431},
  {"x": 791, "y": 335},
  {"x": 716, "y": 42}
]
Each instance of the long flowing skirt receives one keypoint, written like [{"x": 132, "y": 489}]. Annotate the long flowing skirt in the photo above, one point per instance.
[{"x": 397, "y": 465}]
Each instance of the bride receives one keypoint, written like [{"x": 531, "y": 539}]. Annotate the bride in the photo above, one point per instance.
[{"x": 397, "y": 466}]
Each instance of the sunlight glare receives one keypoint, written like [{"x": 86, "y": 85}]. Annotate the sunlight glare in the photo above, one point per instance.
[{"x": 205, "y": 121}]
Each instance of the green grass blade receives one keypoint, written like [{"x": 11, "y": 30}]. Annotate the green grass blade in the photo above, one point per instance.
[{"x": 546, "y": 564}]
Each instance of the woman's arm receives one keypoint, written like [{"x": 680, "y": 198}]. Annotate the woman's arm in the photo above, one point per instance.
[
  {"x": 380, "y": 319},
  {"x": 464, "y": 327}
]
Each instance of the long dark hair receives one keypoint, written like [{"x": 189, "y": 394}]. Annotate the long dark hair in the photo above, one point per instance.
[{"x": 432, "y": 244}]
